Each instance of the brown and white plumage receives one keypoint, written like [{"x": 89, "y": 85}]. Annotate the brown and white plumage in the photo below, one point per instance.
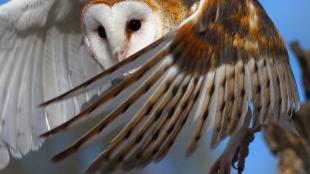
[{"x": 225, "y": 57}]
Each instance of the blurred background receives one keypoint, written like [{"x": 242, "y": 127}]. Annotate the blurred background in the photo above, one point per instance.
[{"x": 292, "y": 19}]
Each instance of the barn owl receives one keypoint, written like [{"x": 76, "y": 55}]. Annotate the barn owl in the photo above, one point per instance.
[
  {"x": 224, "y": 67},
  {"x": 47, "y": 47}
]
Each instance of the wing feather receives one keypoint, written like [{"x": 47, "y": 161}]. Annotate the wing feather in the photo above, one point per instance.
[
  {"x": 223, "y": 60},
  {"x": 202, "y": 112},
  {"x": 155, "y": 123},
  {"x": 186, "y": 113},
  {"x": 229, "y": 100},
  {"x": 214, "y": 120},
  {"x": 36, "y": 49},
  {"x": 23, "y": 126}
]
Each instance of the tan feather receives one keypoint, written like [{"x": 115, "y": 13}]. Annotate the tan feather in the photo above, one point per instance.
[
  {"x": 203, "y": 113},
  {"x": 239, "y": 94},
  {"x": 185, "y": 115},
  {"x": 220, "y": 85},
  {"x": 229, "y": 102},
  {"x": 256, "y": 89},
  {"x": 265, "y": 91},
  {"x": 277, "y": 91}
]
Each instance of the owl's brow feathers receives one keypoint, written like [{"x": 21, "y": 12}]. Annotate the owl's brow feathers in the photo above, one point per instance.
[
  {"x": 175, "y": 7},
  {"x": 113, "y": 2}
]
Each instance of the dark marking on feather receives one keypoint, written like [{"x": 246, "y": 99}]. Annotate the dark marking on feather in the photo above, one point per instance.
[
  {"x": 197, "y": 138},
  {"x": 184, "y": 89},
  {"x": 185, "y": 105},
  {"x": 222, "y": 107},
  {"x": 155, "y": 136},
  {"x": 170, "y": 129},
  {"x": 121, "y": 158},
  {"x": 155, "y": 151},
  {"x": 140, "y": 137},
  {"x": 174, "y": 90},
  {"x": 128, "y": 134},
  {"x": 170, "y": 113},
  {"x": 139, "y": 155},
  {"x": 268, "y": 82},
  {"x": 278, "y": 80},
  {"x": 242, "y": 92},
  {"x": 205, "y": 115},
  {"x": 259, "y": 88},
  {"x": 158, "y": 115},
  {"x": 147, "y": 88},
  {"x": 126, "y": 107},
  {"x": 269, "y": 102},
  {"x": 196, "y": 97},
  {"x": 149, "y": 110},
  {"x": 218, "y": 129},
  {"x": 259, "y": 107}
]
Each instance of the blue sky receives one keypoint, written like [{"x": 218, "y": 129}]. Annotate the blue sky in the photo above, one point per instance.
[{"x": 293, "y": 20}]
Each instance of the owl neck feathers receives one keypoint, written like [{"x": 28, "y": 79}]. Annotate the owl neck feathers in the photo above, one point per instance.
[{"x": 172, "y": 13}]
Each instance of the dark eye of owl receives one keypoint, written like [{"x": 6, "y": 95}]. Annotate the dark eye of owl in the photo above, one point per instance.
[
  {"x": 134, "y": 25},
  {"x": 101, "y": 32}
]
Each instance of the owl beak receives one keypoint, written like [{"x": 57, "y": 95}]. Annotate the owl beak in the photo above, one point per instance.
[{"x": 121, "y": 55}]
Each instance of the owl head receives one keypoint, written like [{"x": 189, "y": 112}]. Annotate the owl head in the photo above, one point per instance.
[{"x": 115, "y": 29}]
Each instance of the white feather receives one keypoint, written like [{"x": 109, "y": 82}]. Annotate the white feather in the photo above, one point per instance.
[
  {"x": 40, "y": 39},
  {"x": 205, "y": 96},
  {"x": 248, "y": 93},
  {"x": 220, "y": 71},
  {"x": 282, "y": 88},
  {"x": 272, "y": 89}
]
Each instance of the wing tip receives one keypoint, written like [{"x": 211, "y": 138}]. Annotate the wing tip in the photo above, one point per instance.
[
  {"x": 58, "y": 157},
  {"x": 49, "y": 102},
  {"x": 51, "y": 132}
]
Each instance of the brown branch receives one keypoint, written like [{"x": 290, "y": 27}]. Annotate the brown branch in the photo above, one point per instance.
[{"x": 293, "y": 150}]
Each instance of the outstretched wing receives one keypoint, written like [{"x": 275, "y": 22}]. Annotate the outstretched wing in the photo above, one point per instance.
[
  {"x": 225, "y": 58},
  {"x": 42, "y": 55}
]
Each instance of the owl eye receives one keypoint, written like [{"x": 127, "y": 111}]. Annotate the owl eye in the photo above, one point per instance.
[
  {"x": 134, "y": 25},
  {"x": 101, "y": 32}
]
